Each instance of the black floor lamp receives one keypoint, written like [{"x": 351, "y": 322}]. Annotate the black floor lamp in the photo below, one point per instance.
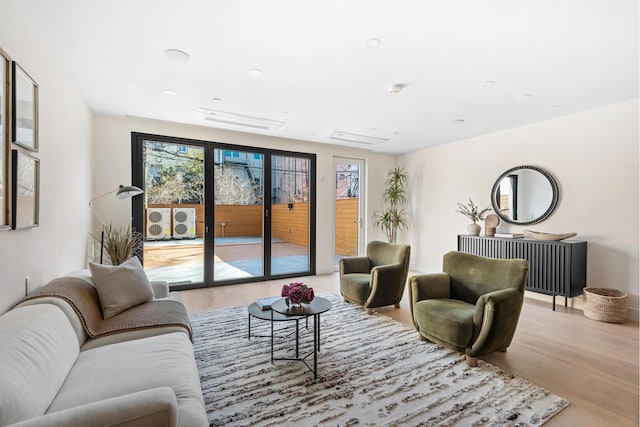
[{"x": 122, "y": 192}]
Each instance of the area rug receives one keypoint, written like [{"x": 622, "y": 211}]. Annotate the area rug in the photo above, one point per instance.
[{"x": 372, "y": 371}]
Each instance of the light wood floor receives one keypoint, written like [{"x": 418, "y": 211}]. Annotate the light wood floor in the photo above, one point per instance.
[{"x": 592, "y": 364}]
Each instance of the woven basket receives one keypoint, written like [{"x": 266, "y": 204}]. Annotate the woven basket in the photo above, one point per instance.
[{"x": 605, "y": 305}]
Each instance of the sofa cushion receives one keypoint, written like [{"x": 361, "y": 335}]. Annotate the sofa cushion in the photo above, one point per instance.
[
  {"x": 132, "y": 366},
  {"x": 120, "y": 287},
  {"x": 38, "y": 347},
  {"x": 447, "y": 320}
]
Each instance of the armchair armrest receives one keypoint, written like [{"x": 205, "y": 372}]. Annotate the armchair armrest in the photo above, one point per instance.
[
  {"x": 356, "y": 264},
  {"x": 154, "y": 407},
  {"x": 386, "y": 282},
  {"x": 428, "y": 286},
  {"x": 495, "y": 320}
]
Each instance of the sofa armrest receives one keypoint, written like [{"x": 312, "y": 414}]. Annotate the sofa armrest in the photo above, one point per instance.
[
  {"x": 160, "y": 288},
  {"x": 156, "y": 407},
  {"x": 428, "y": 286},
  {"x": 355, "y": 264},
  {"x": 494, "y": 321}
]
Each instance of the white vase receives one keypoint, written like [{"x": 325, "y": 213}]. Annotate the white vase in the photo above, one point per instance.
[{"x": 473, "y": 229}]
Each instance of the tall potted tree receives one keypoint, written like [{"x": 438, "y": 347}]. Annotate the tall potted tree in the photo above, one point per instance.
[{"x": 393, "y": 217}]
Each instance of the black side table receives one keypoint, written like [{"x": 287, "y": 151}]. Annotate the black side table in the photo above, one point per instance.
[
  {"x": 318, "y": 306},
  {"x": 255, "y": 311}
]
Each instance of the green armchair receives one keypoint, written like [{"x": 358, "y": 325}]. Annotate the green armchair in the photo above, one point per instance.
[
  {"x": 378, "y": 279},
  {"x": 473, "y": 306}
]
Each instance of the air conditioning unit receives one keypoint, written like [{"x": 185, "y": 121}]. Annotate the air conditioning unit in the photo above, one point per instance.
[
  {"x": 184, "y": 223},
  {"x": 158, "y": 224}
]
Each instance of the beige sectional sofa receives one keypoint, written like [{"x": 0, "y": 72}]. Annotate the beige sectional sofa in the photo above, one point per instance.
[{"x": 53, "y": 374}]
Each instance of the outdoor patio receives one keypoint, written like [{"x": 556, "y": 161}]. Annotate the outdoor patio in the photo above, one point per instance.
[{"x": 182, "y": 261}]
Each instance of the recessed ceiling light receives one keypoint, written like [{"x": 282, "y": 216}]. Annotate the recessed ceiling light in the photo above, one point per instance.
[
  {"x": 373, "y": 42},
  {"x": 255, "y": 72},
  {"x": 524, "y": 97},
  {"x": 216, "y": 99},
  {"x": 488, "y": 83},
  {"x": 457, "y": 121},
  {"x": 177, "y": 55},
  {"x": 170, "y": 92},
  {"x": 396, "y": 88},
  {"x": 396, "y": 133}
]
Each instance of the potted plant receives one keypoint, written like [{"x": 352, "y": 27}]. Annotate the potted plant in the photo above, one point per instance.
[
  {"x": 121, "y": 244},
  {"x": 471, "y": 211},
  {"x": 393, "y": 218}
]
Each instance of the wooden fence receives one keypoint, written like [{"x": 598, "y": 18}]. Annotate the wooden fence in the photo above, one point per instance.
[
  {"x": 347, "y": 227},
  {"x": 289, "y": 225}
]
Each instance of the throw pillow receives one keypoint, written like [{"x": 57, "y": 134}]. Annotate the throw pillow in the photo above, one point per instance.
[{"x": 120, "y": 287}]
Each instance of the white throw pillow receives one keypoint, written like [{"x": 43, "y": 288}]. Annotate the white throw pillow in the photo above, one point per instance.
[{"x": 120, "y": 287}]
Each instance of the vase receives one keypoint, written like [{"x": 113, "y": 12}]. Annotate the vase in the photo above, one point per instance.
[{"x": 473, "y": 229}]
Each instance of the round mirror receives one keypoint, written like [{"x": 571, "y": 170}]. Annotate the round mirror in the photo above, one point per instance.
[{"x": 524, "y": 195}]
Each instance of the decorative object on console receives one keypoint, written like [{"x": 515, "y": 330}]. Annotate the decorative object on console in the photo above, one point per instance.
[
  {"x": 490, "y": 224},
  {"x": 509, "y": 235},
  {"x": 25, "y": 190},
  {"x": 24, "y": 112},
  {"x": 393, "y": 218},
  {"x": 122, "y": 192},
  {"x": 548, "y": 236},
  {"x": 297, "y": 293},
  {"x": 471, "y": 211},
  {"x": 524, "y": 195}
]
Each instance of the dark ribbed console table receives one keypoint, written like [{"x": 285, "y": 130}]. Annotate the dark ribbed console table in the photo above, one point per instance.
[{"x": 555, "y": 268}]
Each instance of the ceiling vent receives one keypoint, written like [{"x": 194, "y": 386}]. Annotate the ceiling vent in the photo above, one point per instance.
[
  {"x": 224, "y": 117},
  {"x": 354, "y": 137}
]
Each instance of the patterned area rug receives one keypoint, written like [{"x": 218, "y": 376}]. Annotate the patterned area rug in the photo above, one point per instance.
[{"x": 372, "y": 371}]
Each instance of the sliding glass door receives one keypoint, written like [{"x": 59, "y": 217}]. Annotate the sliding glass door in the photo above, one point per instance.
[
  {"x": 290, "y": 243},
  {"x": 173, "y": 211},
  {"x": 238, "y": 214},
  {"x": 216, "y": 214}
]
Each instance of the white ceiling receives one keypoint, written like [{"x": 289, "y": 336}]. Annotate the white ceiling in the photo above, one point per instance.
[{"x": 320, "y": 76}]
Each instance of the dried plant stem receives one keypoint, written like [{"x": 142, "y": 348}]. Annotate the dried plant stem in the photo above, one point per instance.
[{"x": 121, "y": 244}]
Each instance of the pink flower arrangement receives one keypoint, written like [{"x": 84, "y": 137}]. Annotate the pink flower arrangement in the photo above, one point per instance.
[{"x": 297, "y": 293}]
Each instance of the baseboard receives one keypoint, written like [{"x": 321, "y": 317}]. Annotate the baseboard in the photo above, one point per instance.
[{"x": 577, "y": 303}]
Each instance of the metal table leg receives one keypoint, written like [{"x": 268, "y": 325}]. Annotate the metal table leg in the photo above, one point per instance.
[{"x": 297, "y": 340}]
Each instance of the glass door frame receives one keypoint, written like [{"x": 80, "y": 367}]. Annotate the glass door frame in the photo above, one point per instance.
[{"x": 137, "y": 205}]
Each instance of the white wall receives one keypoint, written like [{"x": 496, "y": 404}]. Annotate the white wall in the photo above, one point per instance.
[
  {"x": 593, "y": 156},
  {"x": 59, "y": 244},
  {"x": 113, "y": 167}
]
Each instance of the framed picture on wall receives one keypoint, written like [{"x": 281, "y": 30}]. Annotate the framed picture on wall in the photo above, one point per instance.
[
  {"x": 4, "y": 140},
  {"x": 24, "y": 102},
  {"x": 25, "y": 183}
]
